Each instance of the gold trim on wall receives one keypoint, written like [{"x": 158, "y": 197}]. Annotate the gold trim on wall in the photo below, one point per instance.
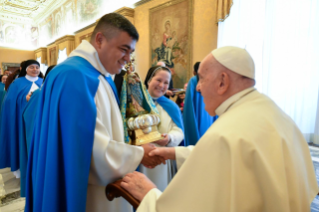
[
  {"x": 126, "y": 11},
  {"x": 86, "y": 37},
  {"x": 85, "y": 28},
  {"x": 52, "y": 61},
  {"x": 41, "y": 52},
  {"x": 66, "y": 42},
  {"x": 189, "y": 73}
]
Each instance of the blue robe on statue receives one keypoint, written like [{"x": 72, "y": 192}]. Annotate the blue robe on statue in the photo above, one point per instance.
[
  {"x": 196, "y": 119},
  {"x": 58, "y": 171},
  {"x": 13, "y": 151},
  {"x": 173, "y": 111}
]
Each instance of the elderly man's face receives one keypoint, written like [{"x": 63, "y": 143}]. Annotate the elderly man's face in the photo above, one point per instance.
[
  {"x": 115, "y": 53},
  {"x": 208, "y": 84}
]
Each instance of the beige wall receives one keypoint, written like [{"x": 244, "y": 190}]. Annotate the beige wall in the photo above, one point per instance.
[
  {"x": 14, "y": 56},
  {"x": 204, "y": 32}
]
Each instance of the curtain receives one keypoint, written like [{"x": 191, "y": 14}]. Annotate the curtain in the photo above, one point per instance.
[
  {"x": 283, "y": 39},
  {"x": 62, "y": 55},
  {"x": 43, "y": 67},
  {"x": 223, "y": 9}
]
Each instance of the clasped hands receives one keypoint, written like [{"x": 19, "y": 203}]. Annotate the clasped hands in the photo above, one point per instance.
[{"x": 151, "y": 160}]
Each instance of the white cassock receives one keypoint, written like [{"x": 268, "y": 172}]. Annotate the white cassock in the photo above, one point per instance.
[
  {"x": 111, "y": 157},
  {"x": 253, "y": 158},
  {"x": 162, "y": 174}
]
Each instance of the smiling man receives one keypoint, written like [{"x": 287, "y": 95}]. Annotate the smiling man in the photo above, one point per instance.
[
  {"x": 78, "y": 144},
  {"x": 253, "y": 158}
]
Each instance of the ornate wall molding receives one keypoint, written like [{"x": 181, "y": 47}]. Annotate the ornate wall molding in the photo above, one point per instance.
[
  {"x": 41, "y": 52},
  {"x": 87, "y": 27},
  {"x": 86, "y": 37},
  {"x": 126, "y": 11},
  {"x": 141, "y": 3},
  {"x": 66, "y": 42}
]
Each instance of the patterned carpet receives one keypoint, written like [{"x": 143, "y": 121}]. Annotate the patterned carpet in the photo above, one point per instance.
[{"x": 314, "y": 151}]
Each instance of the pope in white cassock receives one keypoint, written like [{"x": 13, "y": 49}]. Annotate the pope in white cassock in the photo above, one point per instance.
[
  {"x": 78, "y": 144},
  {"x": 253, "y": 158}
]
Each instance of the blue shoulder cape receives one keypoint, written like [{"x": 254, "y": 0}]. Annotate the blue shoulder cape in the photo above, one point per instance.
[
  {"x": 173, "y": 111},
  {"x": 29, "y": 117},
  {"x": 62, "y": 141},
  {"x": 13, "y": 151},
  {"x": 196, "y": 119},
  {"x": 2, "y": 95}
]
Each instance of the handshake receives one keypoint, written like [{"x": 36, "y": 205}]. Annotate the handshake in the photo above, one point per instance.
[{"x": 154, "y": 156}]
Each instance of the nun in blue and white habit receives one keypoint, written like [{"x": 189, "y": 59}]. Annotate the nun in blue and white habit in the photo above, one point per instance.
[
  {"x": 29, "y": 113},
  {"x": 13, "y": 152},
  {"x": 171, "y": 126}
]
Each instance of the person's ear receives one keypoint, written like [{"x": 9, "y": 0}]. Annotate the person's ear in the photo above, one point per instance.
[
  {"x": 224, "y": 82},
  {"x": 99, "y": 37}
]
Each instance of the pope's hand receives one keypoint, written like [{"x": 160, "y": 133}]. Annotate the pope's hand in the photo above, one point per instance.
[
  {"x": 164, "y": 152},
  {"x": 151, "y": 161},
  {"x": 137, "y": 184}
]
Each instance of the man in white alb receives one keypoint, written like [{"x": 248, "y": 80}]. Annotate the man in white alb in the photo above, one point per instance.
[{"x": 78, "y": 146}]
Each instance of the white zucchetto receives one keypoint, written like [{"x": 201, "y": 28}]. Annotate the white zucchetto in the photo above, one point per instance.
[{"x": 236, "y": 59}]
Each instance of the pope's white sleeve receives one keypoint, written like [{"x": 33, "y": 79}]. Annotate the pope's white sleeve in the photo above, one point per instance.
[
  {"x": 149, "y": 201},
  {"x": 111, "y": 159},
  {"x": 181, "y": 154},
  {"x": 176, "y": 135}
]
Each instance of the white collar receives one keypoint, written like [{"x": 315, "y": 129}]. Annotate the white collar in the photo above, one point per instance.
[
  {"x": 31, "y": 79},
  {"x": 88, "y": 52},
  {"x": 231, "y": 100}
]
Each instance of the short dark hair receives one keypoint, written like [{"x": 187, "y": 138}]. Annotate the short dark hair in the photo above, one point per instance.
[
  {"x": 111, "y": 23},
  {"x": 196, "y": 66}
]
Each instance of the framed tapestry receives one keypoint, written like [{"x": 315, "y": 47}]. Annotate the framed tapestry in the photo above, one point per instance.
[{"x": 171, "y": 38}]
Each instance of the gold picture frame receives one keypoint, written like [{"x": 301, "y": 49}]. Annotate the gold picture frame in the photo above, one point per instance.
[{"x": 171, "y": 38}]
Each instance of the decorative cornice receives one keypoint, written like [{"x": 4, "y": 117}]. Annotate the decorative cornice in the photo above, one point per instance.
[
  {"x": 27, "y": 9},
  {"x": 51, "y": 44},
  {"x": 141, "y": 2},
  {"x": 126, "y": 11},
  {"x": 85, "y": 36},
  {"x": 46, "y": 13},
  {"x": 15, "y": 18},
  {"x": 42, "y": 49},
  {"x": 87, "y": 27},
  {"x": 65, "y": 38}
]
